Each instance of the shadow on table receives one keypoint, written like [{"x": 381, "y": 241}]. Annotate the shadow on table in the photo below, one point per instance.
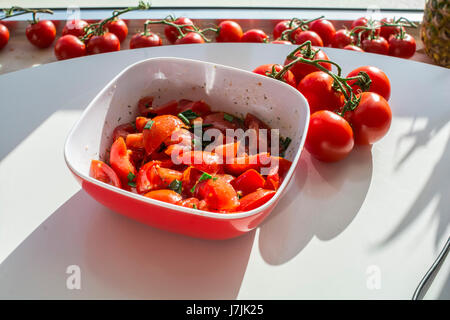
[
  {"x": 314, "y": 204},
  {"x": 120, "y": 259}
]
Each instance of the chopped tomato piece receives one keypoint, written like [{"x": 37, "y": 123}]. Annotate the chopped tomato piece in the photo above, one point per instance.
[
  {"x": 248, "y": 182},
  {"x": 253, "y": 123},
  {"x": 135, "y": 141},
  {"x": 119, "y": 159},
  {"x": 175, "y": 150},
  {"x": 272, "y": 181},
  {"x": 159, "y": 129},
  {"x": 202, "y": 160},
  {"x": 218, "y": 194},
  {"x": 145, "y": 105},
  {"x": 190, "y": 177},
  {"x": 180, "y": 136},
  {"x": 239, "y": 165},
  {"x": 189, "y": 203},
  {"x": 255, "y": 199},
  {"x": 155, "y": 175},
  {"x": 101, "y": 171},
  {"x": 228, "y": 151},
  {"x": 165, "y": 195},
  {"x": 199, "y": 107},
  {"x": 123, "y": 130},
  {"x": 140, "y": 123},
  {"x": 222, "y": 121},
  {"x": 170, "y": 107}
]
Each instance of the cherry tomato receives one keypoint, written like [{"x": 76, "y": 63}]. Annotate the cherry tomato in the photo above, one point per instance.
[
  {"x": 164, "y": 195},
  {"x": 159, "y": 129},
  {"x": 288, "y": 77},
  {"x": 360, "y": 22},
  {"x": 255, "y": 35},
  {"x": 218, "y": 194},
  {"x": 190, "y": 37},
  {"x": 68, "y": 47},
  {"x": 229, "y": 31},
  {"x": 101, "y": 171},
  {"x": 4, "y": 36},
  {"x": 402, "y": 48},
  {"x": 353, "y": 48},
  {"x": 281, "y": 42},
  {"x": 325, "y": 29},
  {"x": 172, "y": 33},
  {"x": 280, "y": 27},
  {"x": 377, "y": 45},
  {"x": 255, "y": 199},
  {"x": 387, "y": 31},
  {"x": 304, "y": 36},
  {"x": 342, "y": 38},
  {"x": 317, "y": 87},
  {"x": 75, "y": 28},
  {"x": 371, "y": 119},
  {"x": 380, "y": 82},
  {"x": 107, "y": 42},
  {"x": 249, "y": 181},
  {"x": 41, "y": 34},
  {"x": 140, "y": 40},
  {"x": 300, "y": 69},
  {"x": 364, "y": 22},
  {"x": 119, "y": 159},
  {"x": 330, "y": 136},
  {"x": 119, "y": 28}
]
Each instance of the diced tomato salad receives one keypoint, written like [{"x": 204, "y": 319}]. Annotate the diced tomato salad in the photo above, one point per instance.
[{"x": 164, "y": 155}]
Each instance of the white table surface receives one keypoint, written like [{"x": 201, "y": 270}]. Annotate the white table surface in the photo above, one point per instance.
[{"x": 381, "y": 212}]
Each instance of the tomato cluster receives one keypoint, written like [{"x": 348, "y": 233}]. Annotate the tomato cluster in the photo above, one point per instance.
[
  {"x": 344, "y": 110},
  {"x": 161, "y": 155}
]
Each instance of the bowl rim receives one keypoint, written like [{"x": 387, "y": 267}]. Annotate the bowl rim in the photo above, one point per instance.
[{"x": 170, "y": 206}]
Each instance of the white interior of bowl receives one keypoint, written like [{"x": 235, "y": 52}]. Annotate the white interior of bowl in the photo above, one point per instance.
[{"x": 223, "y": 88}]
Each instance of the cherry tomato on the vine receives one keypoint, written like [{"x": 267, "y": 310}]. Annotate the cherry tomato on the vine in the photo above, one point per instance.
[
  {"x": 172, "y": 33},
  {"x": 371, "y": 119},
  {"x": 69, "y": 46},
  {"x": 229, "y": 31},
  {"x": 317, "y": 87},
  {"x": 387, "y": 31},
  {"x": 190, "y": 37},
  {"x": 352, "y": 47},
  {"x": 41, "y": 34},
  {"x": 119, "y": 28},
  {"x": 330, "y": 136},
  {"x": 255, "y": 35},
  {"x": 288, "y": 77},
  {"x": 304, "y": 36},
  {"x": 75, "y": 28},
  {"x": 141, "y": 40},
  {"x": 325, "y": 29},
  {"x": 342, "y": 38},
  {"x": 380, "y": 82},
  {"x": 300, "y": 69},
  {"x": 280, "y": 27},
  {"x": 4, "y": 35},
  {"x": 107, "y": 42},
  {"x": 376, "y": 45},
  {"x": 402, "y": 47}
]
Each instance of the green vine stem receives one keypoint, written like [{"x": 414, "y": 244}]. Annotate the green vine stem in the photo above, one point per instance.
[
  {"x": 299, "y": 24},
  {"x": 340, "y": 83},
  {"x": 17, "y": 11},
  {"x": 401, "y": 22},
  {"x": 99, "y": 27},
  {"x": 182, "y": 28}
]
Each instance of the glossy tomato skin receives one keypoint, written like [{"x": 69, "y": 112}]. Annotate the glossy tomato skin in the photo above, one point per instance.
[
  {"x": 325, "y": 29},
  {"x": 107, "y": 42},
  {"x": 352, "y": 47},
  {"x": 119, "y": 159},
  {"x": 302, "y": 37},
  {"x": 102, "y": 172},
  {"x": 218, "y": 194},
  {"x": 140, "y": 40},
  {"x": 119, "y": 28},
  {"x": 172, "y": 34},
  {"x": 68, "y": 47},
  {"x": 364, "y": 22},
  {"x": 402, "y": 48},
  {"x": 317, "y": 87},
  {"x": 330, "y": 137},
  {"x": 280, "y": 27},
  {"x": 300, "y": 70},
  {"x": 190, "y": 37},
  {"x": 342, "y": 38},
  {"x": 255, "y": 199},
  {"x": 229, "y": 31},
  {"x": 41, "y": 34},
  {"x": 255, "y": 35},
  {"x": 164, "y": 195},
  {"x": 288, "y": 77},
  {"x": 160, "y": 129},
  {"x": 387, "y": 31},
  {"x": 4, "y": 35},
  {"x": 371, "y": 119},
  {"x": 380, "y": 82},
  {"x": 75, "y": 28},
  {"x": 377, "y": 45},
  {"x": 281, "y": 42}
]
